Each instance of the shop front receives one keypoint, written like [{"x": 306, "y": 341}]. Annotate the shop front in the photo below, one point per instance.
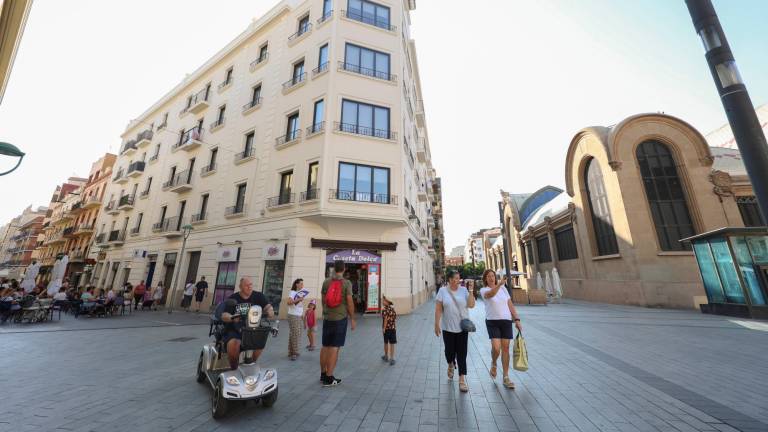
[
  {"x": 733, "y": 263},
  {"x": 363, "y": 270},
  {"x": 274, "y": 273},
  {"x": 227, "y": 258}
]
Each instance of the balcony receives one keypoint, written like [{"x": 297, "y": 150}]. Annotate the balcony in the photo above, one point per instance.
[
  {"x": 128, "y": 148},
  {"x": 181, "y": 182},
  {"x": 116, "y": 237},
  {"x": 259, "y": 61},
  {"x": 365, "y": 131},
  {"x": 325, "y": 18},
  {"x": 111, "y": 208},
  {"x": 171, "y": 227},
  {"x": 421, "y": 151},
  {"x": 189, "y": 140},
  {"x": 245, "y": 156},
  {"x": 136, "y": 169},
  {"x": 282, "y": 200},
  {"x": 323, "y": 68},
  {"x": 77, "y": 256},
  {"x": 235, "y": 211},
  {"x": 156, "y": 227},
  {"x": 208, "y": 170},
  {"x": 144, "y": 194},
  {"x": 316, "y": 129},
  {"x": 300, "y": 34},
  {"x": 288, "y": 139},
  {"x": 198, "y": 102},
  {"x": 144, "y": 138},
  {"x": 153, "y": 158},
  {"x": 84, "y": 229},
  {"x": 366, "y": 197},
  {"x": 251, "y": 106},
  {"x": 422, "y": 195},
  {"x": 69, "y": 232},
  {"x": 101, "y": 238},
  {"x": 225, "y": 85},
  {"x": 199, "y": 218},
  {"x": 162, "y": 125},
  {"x": 370, "y": 73},
  {"x": 216, "y": 125},
  {"x": 76, "y": 208},
  {"x": 367, "y": 18},
  {"x": 126, "y": 202},
  {"x": 294, "y": 82},
  {"x": 309, "y": 195},
  {"x": 56, "y": 238},
  {"x": 120, "y": 177},
  {"x": 431, "y": 220},
  {"x": 420, "y": 120}
]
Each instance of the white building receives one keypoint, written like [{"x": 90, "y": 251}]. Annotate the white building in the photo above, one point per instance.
[{"x": 302, "y": 141}]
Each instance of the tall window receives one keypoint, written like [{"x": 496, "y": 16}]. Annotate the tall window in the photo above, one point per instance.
[
  {"x": 248, "y": 149},
  {"x": 240, "y": 198},
  {"x": 566, "y": 243},
  {"x": 298, "y": 72},
  {"x": 750, "y": 211},
  {"x": 163, "y": 211},
  {"x": 228, "y": 76},
  {"x": 212, "y": 162},
  {"x": 220, "y": 118},
  {"x": 327, "y": 5},
  {"x": 322, "y": 58},
  {"x": 137, "y": 228},
  {"x": 366, "y": 61},
  {"x": 312, "y": 180},
  {"x": 369, "y": 13},
  {"x": 542, "y": 248},
  {"x": 364, "y": 119},
  {"x": 263, "y": 51},
  {"x": 149, "y": 185},
  {"x": 605, "y": 237},
  {"x": 318, "y": 115},
  {"x": 303, "y": 25},
  {"x": 286, "y": 185},
  {"x": 292, "y": 128},
  {"x": 665, "y": 194},
  {"x": 203, "y": 207},
  {"x": 363, "y": 183}
]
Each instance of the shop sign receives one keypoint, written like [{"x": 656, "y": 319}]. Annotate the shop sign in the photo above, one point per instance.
[
  {"x": 353, "y": 256},
  {"x": 374, "y": 279},
  {"x": 169, "y": 259},
  {"x": 274, "y": 251},
  {"x": 228, "y": 253}
]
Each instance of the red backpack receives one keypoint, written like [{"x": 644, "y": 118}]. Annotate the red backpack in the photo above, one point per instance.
[{"x": 333, "y": 294}]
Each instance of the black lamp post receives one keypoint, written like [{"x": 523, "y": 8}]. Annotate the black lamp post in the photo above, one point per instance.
[
  {"x": 7, "y": 149},
  {"x": 186, "y": 231},
  {"x": 733, "y": 93},
  {"x": 507, "y": 257}
]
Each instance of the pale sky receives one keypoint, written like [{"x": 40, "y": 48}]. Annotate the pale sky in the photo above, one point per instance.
[{"x": 506, "y": 83}]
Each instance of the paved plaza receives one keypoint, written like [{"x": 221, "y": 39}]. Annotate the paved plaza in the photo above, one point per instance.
[{"x": 593, "y": 368}]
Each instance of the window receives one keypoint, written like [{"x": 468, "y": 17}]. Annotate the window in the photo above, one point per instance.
[
  {"x": 565, "y": 241},
  {"x": 364, "y": 119},
  {"x": 255, "y": 95},
  {"x": 263, "y": 52},
  {"x": 292, "y": 128},
  {"x": 317, "y": 117},
  {"x": 212, "y": 162},
  {"x": 228, "y": 77},
  {"x": 220, "y": 119},
  {"x": 140, "y": 218},
  {"x": 303, "y": 25},
  {"x": 327, "y": 5},
  {"x": 163, "y": 211},
  {"x": 298, "y": 73},
  {"x": 363, "y": 183},
  {"x": 369, "y": 13},
  {"x": 286, "y": 184},
  {"x": 750, "y": 211},
  {"x": 180, "y": 221},
  {"x": 322, "y": 58},
  {"x": 149, "y": 185},
  {"x": 366, "y": 61},
  {"x": 157, "y": 152},
  {"x": 203, "y": 207},
  {"x": 542, "y": 249},
  {"x": 665, "y": 194},
  {"x": 240, "y": 198},
  {"x": 605, "y": 237},
  {"x": 248, "y": 144},
  {"x": 312, "y": 180}
]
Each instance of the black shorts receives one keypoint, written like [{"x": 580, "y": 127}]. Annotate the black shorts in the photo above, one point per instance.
[
  {"x": 334, "y": 333},
  {"x": 229, "y": 335},
  {"x": 499, "y": 329},
  {"x": 390, "y": 336}
]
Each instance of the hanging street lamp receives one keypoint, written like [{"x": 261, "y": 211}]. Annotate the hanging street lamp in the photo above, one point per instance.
[{"x": 7, "y": 149}]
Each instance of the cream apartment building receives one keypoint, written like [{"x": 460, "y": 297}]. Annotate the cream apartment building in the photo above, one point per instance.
[{"x": 301, "y": 142}]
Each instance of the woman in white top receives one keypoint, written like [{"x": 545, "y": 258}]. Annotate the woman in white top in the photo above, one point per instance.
[
  {"x": 499, "y": 313},
  {"x": 157, "y": 294},
  {"x": 295, "y": 317},
  {"x": 451, "y": 306},
  {"x": 189, "y": 290}
]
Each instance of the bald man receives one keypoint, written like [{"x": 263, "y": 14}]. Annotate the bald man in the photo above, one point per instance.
[{"x": 234, "y": 318}]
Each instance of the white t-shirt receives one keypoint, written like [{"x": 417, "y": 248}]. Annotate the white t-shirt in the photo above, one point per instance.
[
  {"x": 295, "y": 309},
  {"x": 60, "y": 296},
  {"x": 158, "y": 293},
  {"x": 496, "y": 307},
  {"x": 452, "y": 316},
  {"x": 189, "y": 289}
]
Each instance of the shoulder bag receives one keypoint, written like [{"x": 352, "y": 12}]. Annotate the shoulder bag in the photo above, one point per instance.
[{"x": 466, "y": 324}]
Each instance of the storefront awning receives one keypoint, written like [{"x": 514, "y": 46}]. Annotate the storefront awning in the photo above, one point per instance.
[{"x": 343, "y": 244}]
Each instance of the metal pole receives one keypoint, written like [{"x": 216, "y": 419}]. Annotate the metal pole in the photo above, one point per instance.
[
  {"x": 507, "y": 257},
  {"x": 175, "y": 280},
  {"x": 734, "y": 96}
]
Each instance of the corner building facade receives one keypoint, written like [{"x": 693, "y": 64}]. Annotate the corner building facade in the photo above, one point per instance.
[{"x": 302, "y": 141}]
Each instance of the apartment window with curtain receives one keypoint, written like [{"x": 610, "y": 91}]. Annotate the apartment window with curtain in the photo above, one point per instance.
[
  {"x": 203, "y": 215},
  {"x": 256, "y": 95},
  {"x": 666, "y": 196},
  {"x": 248, "y": 149},
  {"x": 286, "y": 186},
  {"x": 314, "y": 169},
  {"x": 366, "y": 62},
  {"x": 364, "y": 119},
  {"x": 327, "y": 7},
  {"x": 542, "y": 248},
  {"x": 369, "y": 13},
  {"x": 565, "y": 241},
  {"x": 363, "y": 183},
  {"x": 317, "y": 116},
  {"x": 263, "y": 52},
  {"x": 220, "y": 117},
  {"x": 212, "y": 160},
  {"x": 228, "y": 76},
  {"x": 303, "y": 25},
  {"x": 137, "y": 227},
  {"x": 292, "y": 127},
  {"x": 605, "y": 237}
]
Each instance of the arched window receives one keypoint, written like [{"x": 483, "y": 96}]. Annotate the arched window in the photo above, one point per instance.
[
  {"x": 665, "y": 194},
  {"x": 605, "y": 237}
]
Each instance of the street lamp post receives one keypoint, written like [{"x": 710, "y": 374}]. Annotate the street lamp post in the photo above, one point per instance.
[
  {"x": 7, "y": 149},
  {"x": 186, "y": 230},
  {"x": 507, "y": 257},
  {"x": 734, "y": 96}
]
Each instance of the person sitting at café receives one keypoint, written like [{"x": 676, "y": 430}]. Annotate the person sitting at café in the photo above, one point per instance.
[
  {"x": 8, "y": 304},
  {"x": 89, "y": 301},
  {"x": 61, "y": 295}
]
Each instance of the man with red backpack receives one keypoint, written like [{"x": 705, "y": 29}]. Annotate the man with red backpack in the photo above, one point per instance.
[{"x": 338, "y": 308}]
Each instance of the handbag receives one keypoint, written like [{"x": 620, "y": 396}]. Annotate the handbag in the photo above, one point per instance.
[
  {"x": 466, "y": 324},
  {"x": 519, "y": 354}
]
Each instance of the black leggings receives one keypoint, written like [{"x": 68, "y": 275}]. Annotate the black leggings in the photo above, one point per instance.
[{"x": 456, "y": 349}]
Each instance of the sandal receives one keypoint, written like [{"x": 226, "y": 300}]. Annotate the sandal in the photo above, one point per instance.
[
  {"x": 463, "y": 387},
  {"x": 508, "y": 383},
  {"x": 450, "y": 371},
  {"x": 493, "y": 371}
]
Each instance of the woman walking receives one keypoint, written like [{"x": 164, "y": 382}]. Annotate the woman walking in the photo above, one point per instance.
[
  {"x": 295, "y": 317},
  {"x": 499, "y": 315},
  {"x": 451, "y": 306}
]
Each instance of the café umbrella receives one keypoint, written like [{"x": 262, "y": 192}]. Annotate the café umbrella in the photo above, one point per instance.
[
  {"x": 57, "y": 275},
  {"x": 29, "y": 277}
]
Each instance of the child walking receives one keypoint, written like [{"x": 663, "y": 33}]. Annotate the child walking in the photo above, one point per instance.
[
  {"x": 388, "y": 327},
  {"x": 309, "y": 324}
]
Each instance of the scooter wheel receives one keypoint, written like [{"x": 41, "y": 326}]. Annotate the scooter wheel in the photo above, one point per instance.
[
  {"x": 219, "y": 404},
  {"x": 200, "y": 371},
  {"x": 269, "y": 400}
]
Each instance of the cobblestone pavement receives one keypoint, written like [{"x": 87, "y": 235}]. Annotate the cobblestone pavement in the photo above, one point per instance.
[{"x": 593, "y": 368}]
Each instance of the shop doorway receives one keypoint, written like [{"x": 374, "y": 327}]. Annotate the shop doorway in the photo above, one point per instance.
[
  {"x": 170, "y": 264},
  {"x": 363, "y": 270},
  {"x": 194, "y": 263},
  {"x": 226, "y": 278},
  {"x": 274, "y": 277},
  {"x": 150, "y": 272}
]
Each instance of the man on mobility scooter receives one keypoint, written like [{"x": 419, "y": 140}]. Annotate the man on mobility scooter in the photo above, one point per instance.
[{"x": 237, "y": 325}]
